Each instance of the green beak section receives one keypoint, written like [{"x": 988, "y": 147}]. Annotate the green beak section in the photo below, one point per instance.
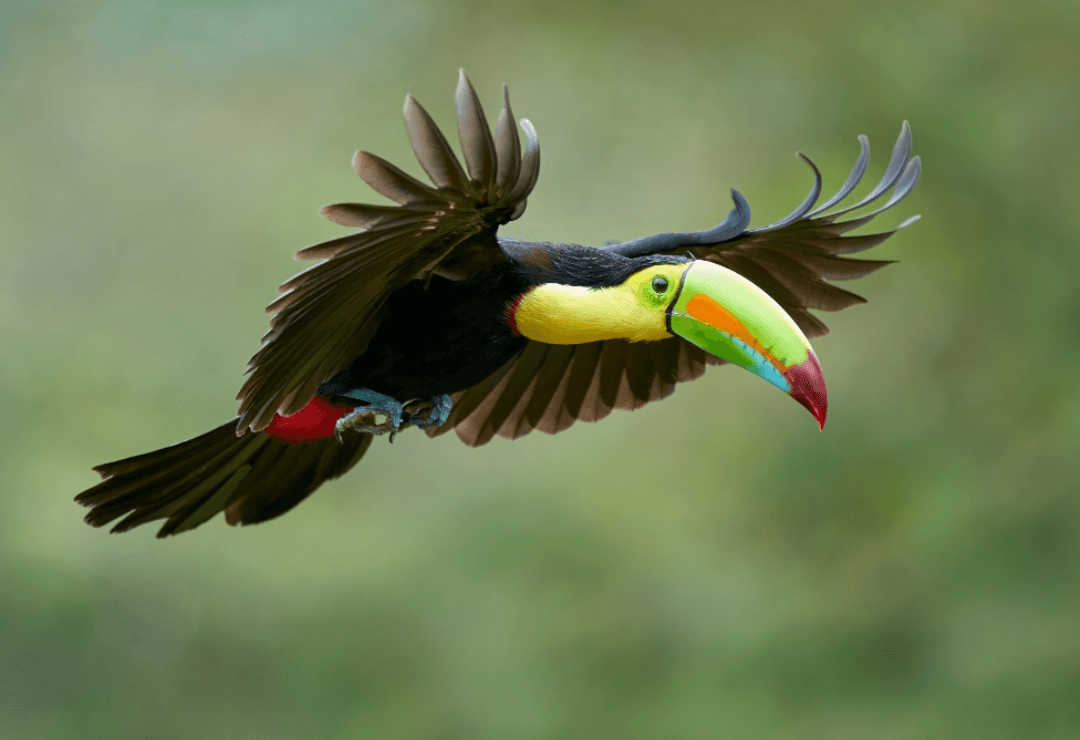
[{"x": 729, "y": 317}]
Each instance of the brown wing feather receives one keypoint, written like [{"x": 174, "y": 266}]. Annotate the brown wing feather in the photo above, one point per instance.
[
  {"x": 549, "y": 387},
  {"x": 328, "y": 314}
]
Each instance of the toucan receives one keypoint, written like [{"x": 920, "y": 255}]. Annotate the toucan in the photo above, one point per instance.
[{"x": 427, "y": 317}]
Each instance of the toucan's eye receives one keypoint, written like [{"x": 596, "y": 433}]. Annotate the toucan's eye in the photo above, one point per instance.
[{"x": 659, "y": 284}]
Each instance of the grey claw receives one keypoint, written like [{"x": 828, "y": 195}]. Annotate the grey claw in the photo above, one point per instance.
[
  {"x": 432, "y": 413},
  {"x": 423, "y": 414},
  {"x": 362, "y": 418}
]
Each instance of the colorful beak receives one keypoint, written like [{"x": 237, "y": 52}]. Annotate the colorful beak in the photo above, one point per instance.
[{"x": 729, "y": 317}]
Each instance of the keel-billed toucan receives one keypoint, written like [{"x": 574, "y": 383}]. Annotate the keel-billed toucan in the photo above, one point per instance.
[{"x": 427, "y": 317}]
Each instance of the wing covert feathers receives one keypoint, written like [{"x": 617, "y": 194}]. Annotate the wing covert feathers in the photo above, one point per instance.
[{"x": 328, "y": 313}]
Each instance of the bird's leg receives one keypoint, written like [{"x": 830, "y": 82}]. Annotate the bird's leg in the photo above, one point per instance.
[
  {"x": 363, "y": 418},
  {"x": 430, "y": 413}
]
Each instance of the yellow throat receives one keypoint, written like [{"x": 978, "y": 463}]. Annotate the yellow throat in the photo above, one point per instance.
[{"x": 572, "y": 314}]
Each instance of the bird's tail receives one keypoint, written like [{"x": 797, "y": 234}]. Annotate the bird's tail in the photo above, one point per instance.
[{"x": 251, "y": 478}]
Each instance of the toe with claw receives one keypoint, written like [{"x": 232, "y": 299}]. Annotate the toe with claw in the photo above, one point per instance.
[
  {"x": 395, "y": 416},
  {"x": 429, "y": 413},
  {"x": 365, "y": 418}
]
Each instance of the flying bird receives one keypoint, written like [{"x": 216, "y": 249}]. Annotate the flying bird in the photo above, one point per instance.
[{"x": 427, "y": 317}]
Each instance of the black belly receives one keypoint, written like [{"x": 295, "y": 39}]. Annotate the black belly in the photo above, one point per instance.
[{"x": 440, "y": 339}]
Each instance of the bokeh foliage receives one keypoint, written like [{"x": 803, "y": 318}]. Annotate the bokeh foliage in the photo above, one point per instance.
[{"x": 707, "y": 567}]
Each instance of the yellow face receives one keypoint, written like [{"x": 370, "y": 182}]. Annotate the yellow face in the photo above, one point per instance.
[{"x": 570, "y": 314}]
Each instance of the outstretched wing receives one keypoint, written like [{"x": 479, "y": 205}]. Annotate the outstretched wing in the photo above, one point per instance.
[
  {"x": 328, "y": 313},
  {"x": 792, "y": 259},
  {"x": 548, "y": 387}
]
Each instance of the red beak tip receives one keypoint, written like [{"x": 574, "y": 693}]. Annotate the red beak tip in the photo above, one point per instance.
[{"x": 808, "y": 388}]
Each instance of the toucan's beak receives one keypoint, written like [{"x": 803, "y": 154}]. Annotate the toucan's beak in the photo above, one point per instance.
[{"x": 731, "y": 318}]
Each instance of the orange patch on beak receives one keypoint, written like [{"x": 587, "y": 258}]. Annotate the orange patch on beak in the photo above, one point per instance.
[{"x": 706, "y": 310}]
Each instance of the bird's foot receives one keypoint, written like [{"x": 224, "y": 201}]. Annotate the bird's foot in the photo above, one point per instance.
[
  {"x": 365, "y": 418},
  {"x": 395, "y": 415},
  {"x": 430, "y": 413}
]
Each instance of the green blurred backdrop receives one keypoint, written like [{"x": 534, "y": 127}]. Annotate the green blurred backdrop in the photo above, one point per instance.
[{"x": 707, "y": 567}]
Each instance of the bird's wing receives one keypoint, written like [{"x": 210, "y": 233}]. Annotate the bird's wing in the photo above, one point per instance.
[
  {"x": 548, "y": 387},
  {"x": 328, "y": 313},
  {"x": 792, "y": 259}
]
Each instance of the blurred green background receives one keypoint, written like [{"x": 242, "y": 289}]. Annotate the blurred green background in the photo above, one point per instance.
[{"x": 707, "y": 567}]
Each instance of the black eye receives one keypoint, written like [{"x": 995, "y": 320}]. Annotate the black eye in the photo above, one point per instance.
[{"x": 659, "y": 283}]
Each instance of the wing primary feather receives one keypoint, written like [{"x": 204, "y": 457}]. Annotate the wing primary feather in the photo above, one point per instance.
[
  {"x": 391, "y": 181},
  {"x": 625, "y": 398},
  {"x": 582, "y": 373},
  {"x": 904, "y": 185},
  {"x": 363, "y": 216},
  {"x": 593, "y": 407},
  {"x": 555, "y": 419},
  {"x": 518, "y": 383},
  {"x": 665, "y": 357},
  {"x": 476, "y": 142},
  {"x": 809, "y": 289},
  {"x": 856, "y": 244},
  {"x": 321, "y": 279},
  {"x": 518, "y": 210},
  {"x": 612, "y": 370},
  {"x": 507, "y": 148},
  {"x": 339, "y": 249},
  {"x": 544, "y": 394},
  {"x": 807, "y": 204},
  {"x": 431, "y": 148},
  {"x": 530, "y": 163},
  {"x": 853, "y": 179},
  {"x": 901, "y": 152},
  {"x": 640, "y": 371},
  {"x": 811, "y": 325},
  {"x": 471, "y": 425},
  {"x": 690, "y": 364},
  {"x": 323, "y": 250},
  {"x": 516, "y": 425},
  {"x": 829, "y": 267},
  {"x": 470, "y": 400}
]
